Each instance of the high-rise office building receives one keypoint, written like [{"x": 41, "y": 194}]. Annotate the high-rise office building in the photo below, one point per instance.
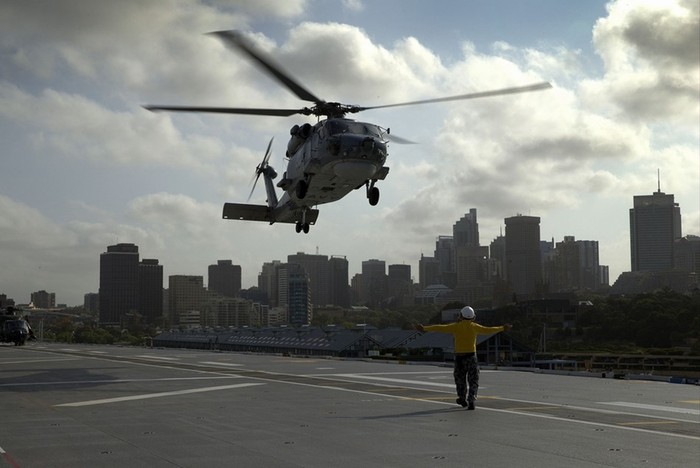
[
  {"x": 400, "y": 285},
  {"x": 339, "y": 281},
  {"x": 466, "y": 231},
  {"x": 374, "y": 281},
  {"x": 445, "y": 255},
  {"x": 299, "y": 295},
  {"x": 186, "y": 297},
  {"x": 428, "y": 271},
  {"x": 655, "y": 223},
  {"x": 225, "y": 278},
  {"x": 590, "y": 265},
  {"x": 267, "y": 282},
  {"x": 119, "y": 276},
  {"x": 91, "y": 303},
  {"x": 43, "y": 299},
  {"x": 497, "y": 253},
  {"x": 150, "y": 295},
  {"x": 687, "y": 254},
  {"x": 316, "y": 266},
  {"x": 523, "y": 258},
  {"x": 470, "y": 259},
  {"x": 564, "y": 266}
]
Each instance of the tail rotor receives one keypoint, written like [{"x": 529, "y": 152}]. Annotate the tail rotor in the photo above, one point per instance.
[{"x": 262, "y": 167}]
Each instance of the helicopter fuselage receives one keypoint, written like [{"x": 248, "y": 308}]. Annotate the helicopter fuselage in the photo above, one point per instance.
[
  {"x": 330, "y": 159},
  {"x": 326, "y": 161}
]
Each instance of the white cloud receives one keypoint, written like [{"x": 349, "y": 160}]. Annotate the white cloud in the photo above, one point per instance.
[{"x": 651, "y": 51}]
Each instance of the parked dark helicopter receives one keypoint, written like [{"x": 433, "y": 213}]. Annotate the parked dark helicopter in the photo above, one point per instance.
[{"x": 327, "y": 160}]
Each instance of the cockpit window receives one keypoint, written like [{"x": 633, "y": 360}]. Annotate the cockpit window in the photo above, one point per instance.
[{"x": 335, "y": 127}]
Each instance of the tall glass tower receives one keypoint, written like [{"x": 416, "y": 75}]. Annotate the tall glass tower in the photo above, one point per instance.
[
  {"x": 655, "y": 223},
  {"x": 524, "y": 264},
  {"x": 119, "y": 282}
]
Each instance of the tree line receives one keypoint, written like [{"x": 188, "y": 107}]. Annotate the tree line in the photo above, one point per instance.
[{"x": 661, "y": 322}]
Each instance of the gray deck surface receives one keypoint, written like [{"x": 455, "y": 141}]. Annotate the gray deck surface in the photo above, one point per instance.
[{"x": 107, "y": 406}]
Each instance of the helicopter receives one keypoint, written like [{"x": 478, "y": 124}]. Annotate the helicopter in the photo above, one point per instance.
[{"x": 325, "y": 161}]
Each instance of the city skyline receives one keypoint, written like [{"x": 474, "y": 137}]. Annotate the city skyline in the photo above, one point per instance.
[
  {"x": 85, "y": 166},
  {"x": 465, "y": 231},
  {"x": 308, "y": 258}
]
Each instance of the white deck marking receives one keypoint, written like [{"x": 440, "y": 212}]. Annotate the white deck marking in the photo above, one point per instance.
[
  {"x": 223, "y": 364},
  {"x": 115, "y": 381},
  {"x": 157, "y": 395},
  {"x": 158, "y": 358},
  {"x": 391, "y": 380},
  {"x": 32, "y": 361},
  {"x": 670, "y": 409}
]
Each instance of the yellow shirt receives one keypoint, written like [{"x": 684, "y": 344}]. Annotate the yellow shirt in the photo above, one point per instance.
[{"x": 464, "y": 332}]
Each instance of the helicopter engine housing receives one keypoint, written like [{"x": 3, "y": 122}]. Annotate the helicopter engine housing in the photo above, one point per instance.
[{"x": 299, "y": 136}]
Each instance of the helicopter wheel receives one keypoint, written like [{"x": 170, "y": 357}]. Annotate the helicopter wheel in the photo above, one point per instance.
[
  {"x": 298, "y": 227},
  {"x": 302, "y": 188},
  {"x": 373, "y": 195},
  {"x": 306, "y": 228}
]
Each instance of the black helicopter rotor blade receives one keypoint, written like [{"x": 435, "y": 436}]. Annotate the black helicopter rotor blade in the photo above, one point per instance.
[
  {"x": 239, "y": 41},
  {"x": 399, "y": 140},
  {"x": 266, "y": 158},
  {"x": 230, "y": 110},
  {"x": 496, "y": 92},
  {"x": 261, "y": 167},
  {"x": 257, "y": 176}
]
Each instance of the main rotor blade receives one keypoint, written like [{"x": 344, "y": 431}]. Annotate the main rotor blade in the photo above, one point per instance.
[
  {"x": 399, "y": 140},
  {"x": 230, "y": 110},
  {"x": 496, "y": 92},
  {"x": 239, "y": 41}
]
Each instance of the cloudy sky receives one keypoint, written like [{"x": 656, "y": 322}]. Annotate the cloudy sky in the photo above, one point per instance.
[{"x": 84, "y": 166}]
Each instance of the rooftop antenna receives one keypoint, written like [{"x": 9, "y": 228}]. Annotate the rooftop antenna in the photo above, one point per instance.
[{"x": 658, "y": 180}]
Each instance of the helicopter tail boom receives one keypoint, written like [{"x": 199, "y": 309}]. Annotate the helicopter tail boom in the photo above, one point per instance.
[
  {"x": 246, "y": 212},
  {"x": 243, "y": 211}
]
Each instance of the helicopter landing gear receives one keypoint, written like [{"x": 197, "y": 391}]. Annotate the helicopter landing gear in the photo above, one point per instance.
[
  {"x": 372, "y": 193},
  {"x": 302, "y": 225},
  {"x": 302, "y": 188}
]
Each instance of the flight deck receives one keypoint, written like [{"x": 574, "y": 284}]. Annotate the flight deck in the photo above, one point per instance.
[{"x": 84, "y": 405}]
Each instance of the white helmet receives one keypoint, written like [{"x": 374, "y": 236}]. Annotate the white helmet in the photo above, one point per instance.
[{"x": 467, "y": 313}]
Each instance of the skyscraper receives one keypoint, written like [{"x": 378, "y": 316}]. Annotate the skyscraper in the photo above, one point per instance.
[
  {"x": 186, "y": 296},
  {"x": 466, "y": 230},
  {"x": 590, "y": 264},
  {"x": 150, "y": 295},
  {"x": 43, "y": 299},
  {"x": 523, "y": 261},
  {"x": 445, "y": 254},
  {"x": 655, "y": 223},
  {"x": 374, "y": 281},
  {"x": 299, "y": 295},
  {"x": 225, "y": 278},
  {"x": 268, "y": 282},
  {"x": 339, "y": 281},
  {"x": 316, "y": 266},
  {"x": 119, "y": 274},
  {"x": 400, "y": 285},
  {"x": 428, "y": 271}
]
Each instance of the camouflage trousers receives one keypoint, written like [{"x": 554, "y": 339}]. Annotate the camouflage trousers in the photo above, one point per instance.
[{"x": 466, "y": 374}]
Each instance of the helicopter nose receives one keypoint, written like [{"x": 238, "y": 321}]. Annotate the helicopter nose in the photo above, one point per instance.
[{"x": 355, "y": 169}]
